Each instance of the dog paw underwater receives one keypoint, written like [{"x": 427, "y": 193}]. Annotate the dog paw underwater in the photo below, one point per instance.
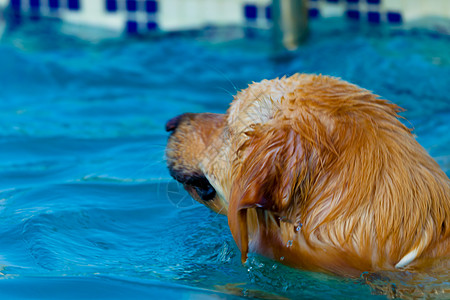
[{"x": 319, "y": 174}]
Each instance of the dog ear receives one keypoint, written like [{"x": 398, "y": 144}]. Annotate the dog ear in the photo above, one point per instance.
[{"x": 271, "y": 169}]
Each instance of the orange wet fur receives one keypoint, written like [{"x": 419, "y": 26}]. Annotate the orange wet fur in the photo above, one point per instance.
[{"x": 319, "y": 174}]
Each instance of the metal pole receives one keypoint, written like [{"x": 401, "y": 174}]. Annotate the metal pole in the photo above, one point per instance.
[{"x": 290, "y": 23}]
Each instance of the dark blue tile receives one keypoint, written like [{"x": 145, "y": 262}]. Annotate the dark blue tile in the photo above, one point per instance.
[
  {"x": 353, "y": 14},
  {"x": 352, "y": 1},
  {"x": 34, "y": 4},
  {"x": 151, "y": 6},
  {"x": 313, "y": 13},
  {"x": 131, "y": 5},
  {"x": 152, "y": 25},
  {"x": 333, "y": 1},
  {"x": 132, "y": 27},
  {"x": 373, "y": 1},
  {"x": 394, "y": 17},
  {"x": 53, "y": 4},
  {"x": 269, "y": 12},
  {"x": 16, "y": 17},
  {"x": 35, "y": 17},
  {"x": 111, "y": 5},
  {"x": 15, "y": 4},
  {"x": 73, "y": 4},
  {"x": 373, "y": 17},
  {"x": 250, "y": 33},
  {"x": 394, "y": 32},
  {"x": 250, "y": 11},
  {"x": 435, "y": 35}
]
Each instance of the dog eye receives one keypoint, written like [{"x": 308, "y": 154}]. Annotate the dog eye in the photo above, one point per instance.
[
  {"x": 206, "y": 193},
  {"x": 203, "y": 188}
]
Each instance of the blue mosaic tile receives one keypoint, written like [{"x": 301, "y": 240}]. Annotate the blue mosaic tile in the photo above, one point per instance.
[
  {"x": 73, "y": 4},
  {"x": 394, "y": 17},
  {"x": 250, "y": 33},
  {"x": 313, "y": 13},
  {"x": 111, "y": 5},
  {"x": 269, "y": 12},
  {"x": 35, "y": 16},
  {"x": 435, "y": 35},
  {"x": 152, "y": 25},
  {"x": 16, "y": 17},
  {"x": 353, "y": 14},
  {"x": 131, "y": 5},
  {"x": 15, "y": 4},
  {"x": 34, "y": 4},
  {"x": 132, "y": 26},
  {"x": 151, "y": 6},
  {"x": 250, "y": 11},
  {"x": 53, "y": 4},
  {"x": 373, "y": 1},
  {"x": 373, "y": 17}
]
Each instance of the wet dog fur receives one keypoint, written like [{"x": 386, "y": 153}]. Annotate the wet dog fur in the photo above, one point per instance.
[{"x": 319, "y": 174}]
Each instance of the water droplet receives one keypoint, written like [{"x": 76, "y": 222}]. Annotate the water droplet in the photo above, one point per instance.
[
  {"x": 299, "y": 227},
  {"x": 274, "y": 267},
  {"x": 289, "y": 243},
  {"x": 282, "y": 258}
]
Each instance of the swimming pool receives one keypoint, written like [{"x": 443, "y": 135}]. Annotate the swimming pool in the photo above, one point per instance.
[{"x": 88, "y": 209}]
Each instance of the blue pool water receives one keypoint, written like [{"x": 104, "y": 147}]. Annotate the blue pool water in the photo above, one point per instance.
[{"x": 87, "y": 207}]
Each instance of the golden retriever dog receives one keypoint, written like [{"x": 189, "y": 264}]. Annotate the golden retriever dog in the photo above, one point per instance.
[{"x": 319, "y": 174}]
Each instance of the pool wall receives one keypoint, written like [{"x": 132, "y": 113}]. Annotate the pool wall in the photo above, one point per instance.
[{"x": 147, "y": 16}]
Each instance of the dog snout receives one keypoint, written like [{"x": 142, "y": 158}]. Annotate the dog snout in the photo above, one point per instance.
[{"x": 173, "y": 123}]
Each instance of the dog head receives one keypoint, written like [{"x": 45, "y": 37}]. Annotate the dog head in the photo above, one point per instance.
[
  {"x": 316, "y": 153},
  {"x": 193, "y": 156}
]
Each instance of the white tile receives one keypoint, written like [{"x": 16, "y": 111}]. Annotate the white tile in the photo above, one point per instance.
[
  {"x": 94, "y": 13},
  {"x": 181, "y": 14},
  {"x": 332, "y": 10},
  {"x": 392, "y": 5},
  {"x": 231, "y": 12}
]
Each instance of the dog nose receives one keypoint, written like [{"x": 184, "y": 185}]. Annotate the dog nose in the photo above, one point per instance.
[{"x": 173, "y": 123}]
